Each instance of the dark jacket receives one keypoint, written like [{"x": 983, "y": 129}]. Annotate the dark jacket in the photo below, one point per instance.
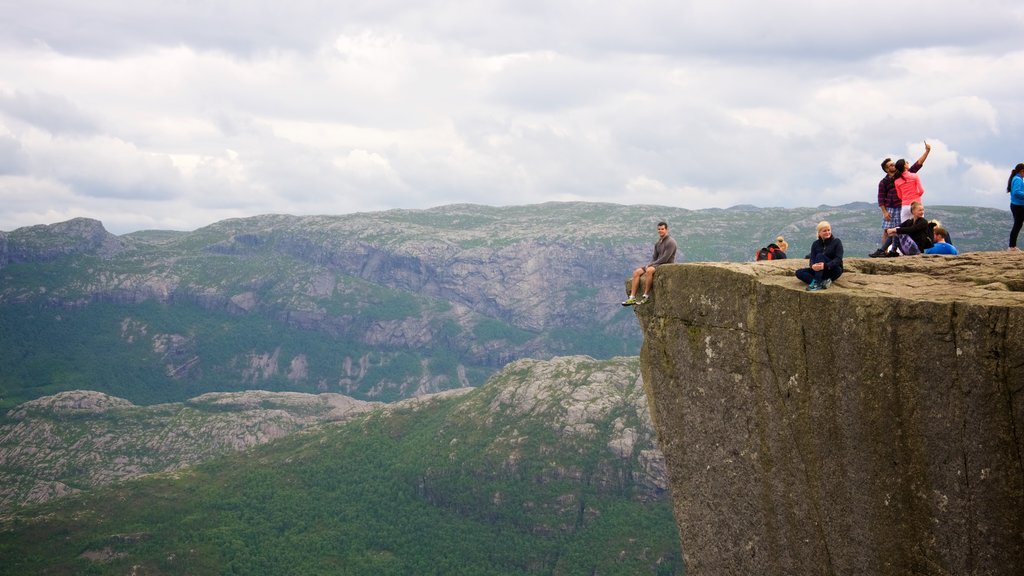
[
  {"x": 828, "y": 251},
  {"x": 919, "y": 230}
]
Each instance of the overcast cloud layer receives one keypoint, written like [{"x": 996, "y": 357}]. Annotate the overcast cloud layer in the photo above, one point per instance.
[{"x": 174, "y": 115}]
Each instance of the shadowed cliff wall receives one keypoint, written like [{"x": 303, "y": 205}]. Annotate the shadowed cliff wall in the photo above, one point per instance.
[{"x": 873, "y": 428}]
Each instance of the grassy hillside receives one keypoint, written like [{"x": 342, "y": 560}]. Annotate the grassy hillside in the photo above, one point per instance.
[{"x": 491, "y": 482}]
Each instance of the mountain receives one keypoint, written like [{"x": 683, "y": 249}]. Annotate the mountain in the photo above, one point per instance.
[
  {"x": 550, "y": 467},
  {"x": 377, "y": 306},
  {"x": 73, "y": 441}
]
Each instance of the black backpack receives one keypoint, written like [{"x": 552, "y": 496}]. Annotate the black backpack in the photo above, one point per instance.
[{"x": 766, "y": 253}]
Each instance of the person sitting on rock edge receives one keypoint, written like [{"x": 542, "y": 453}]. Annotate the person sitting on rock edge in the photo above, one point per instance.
[
  {"x": 917, "y": 229},
  {"x": 825, "y": 259},
  {"x": 941, "y": 246},
  {"x": 783, "y": 246},
  {"x": 664, "y": 253}
]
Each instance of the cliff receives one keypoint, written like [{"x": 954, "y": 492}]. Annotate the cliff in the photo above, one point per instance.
[{"x": 873, "y": 428}]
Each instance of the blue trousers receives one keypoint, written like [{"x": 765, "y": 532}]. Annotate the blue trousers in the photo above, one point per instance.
[{"x": 807, "y": 274}]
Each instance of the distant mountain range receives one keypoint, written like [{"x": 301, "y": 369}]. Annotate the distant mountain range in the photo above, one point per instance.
[{"x": 378, "y": 306}]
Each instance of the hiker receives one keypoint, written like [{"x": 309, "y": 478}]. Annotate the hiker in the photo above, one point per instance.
[
  {"x": 938, "y": 224},
  {"x": 774, "y": 251},
  {"x": 915, "y": 233},
  {"x": 826, "y": 260},
  {"x": 941, "y": 246},
  {"x": 783, "y": 247},
  {"x": 664, "y": 253},
  {"x": 889, "y": 200},
  {"x": 908, "y": 184},
  {"x": 1015, "y": 187}
]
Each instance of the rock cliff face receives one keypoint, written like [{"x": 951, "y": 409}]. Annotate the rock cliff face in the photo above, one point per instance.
[{"x": 873, "y": 428}]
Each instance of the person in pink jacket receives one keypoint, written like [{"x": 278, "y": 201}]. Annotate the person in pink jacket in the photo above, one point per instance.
[{"x": 908, "y": 184}]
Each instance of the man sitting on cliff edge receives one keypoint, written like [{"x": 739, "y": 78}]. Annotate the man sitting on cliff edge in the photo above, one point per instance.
[{"x": 664, "y": 253}]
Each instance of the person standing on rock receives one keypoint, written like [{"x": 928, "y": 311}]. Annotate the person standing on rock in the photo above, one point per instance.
[
  {"x": 826, "y": 260},
  {"x": 664, "y": 253},
  {"x": 1015, "y": 187},
  {"x": 889, "y": 200},
  {"x": 908, "y": 184}
]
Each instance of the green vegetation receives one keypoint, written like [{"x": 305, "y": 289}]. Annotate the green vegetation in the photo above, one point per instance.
[
  {"x": 401, "y": 492},
  {"x": 488, "y": 329},
  {"x": 151, "y": 353}
]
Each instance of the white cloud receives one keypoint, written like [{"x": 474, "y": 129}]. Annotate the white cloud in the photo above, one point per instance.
[{"x": 168, "y": 114}]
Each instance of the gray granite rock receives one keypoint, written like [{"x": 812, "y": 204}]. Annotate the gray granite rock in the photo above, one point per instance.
[{"x": 876, "y": 427}]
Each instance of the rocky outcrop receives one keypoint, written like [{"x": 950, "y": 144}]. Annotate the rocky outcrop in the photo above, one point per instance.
[
  {"x": 72, "y": 441},
  {"x": 572, "y": 419},
  {"x": 873, "y": 428},
  {"x": 46, "y": 242}
]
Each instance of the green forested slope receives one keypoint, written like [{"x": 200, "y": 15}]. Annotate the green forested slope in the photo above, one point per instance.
[{"x": 508, "y": 479}]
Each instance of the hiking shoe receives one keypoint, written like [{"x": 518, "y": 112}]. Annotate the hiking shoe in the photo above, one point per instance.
[
  {"x": 629, "y": 301},
  {"x": 826, "y": 283},
  {"x": 643, "y": 300},
  {"x": 813, "y": 286},
  {"x": 877, "y": 254},
  {"x": 892, "y": 254}
]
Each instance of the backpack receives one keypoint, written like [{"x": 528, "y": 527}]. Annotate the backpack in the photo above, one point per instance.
[{"x": 766, "y": 253}]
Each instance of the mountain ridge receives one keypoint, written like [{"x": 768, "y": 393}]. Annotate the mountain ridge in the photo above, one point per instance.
[{"x": 378, "y": 305}]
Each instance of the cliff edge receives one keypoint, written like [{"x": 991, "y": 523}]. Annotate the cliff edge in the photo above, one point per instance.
[{"x": 876, "y": 427}]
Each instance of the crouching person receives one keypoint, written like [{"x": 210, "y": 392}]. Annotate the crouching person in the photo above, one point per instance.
[
  {"x": 942, "y": 245},
  {"x": 826, "y": 260}
]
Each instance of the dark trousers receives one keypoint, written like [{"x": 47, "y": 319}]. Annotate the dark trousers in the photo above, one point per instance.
[
  {"x": 1018, "y": 219},
  {"x": 808, "y": 274}
]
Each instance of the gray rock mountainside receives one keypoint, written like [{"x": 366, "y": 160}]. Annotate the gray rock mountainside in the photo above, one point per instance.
[
  {"x": 74, "y": 441},
  {"x": 876, "y": 427},
  {"x": 378, "y": 306}
]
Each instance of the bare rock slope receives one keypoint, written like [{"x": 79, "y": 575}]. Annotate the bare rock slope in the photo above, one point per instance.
[{"x": 873, "y": 428}]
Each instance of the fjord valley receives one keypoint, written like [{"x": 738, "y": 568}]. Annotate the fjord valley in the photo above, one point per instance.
[{"x": 442, "y": 391}]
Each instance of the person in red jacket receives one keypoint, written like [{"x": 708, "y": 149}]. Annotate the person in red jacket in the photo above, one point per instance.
[
  {"x": 889, "y": 200},
  {"x": 908, "y": 184}
]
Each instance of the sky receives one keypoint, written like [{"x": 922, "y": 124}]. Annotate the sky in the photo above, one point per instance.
[{"x": 176, "y": 114}]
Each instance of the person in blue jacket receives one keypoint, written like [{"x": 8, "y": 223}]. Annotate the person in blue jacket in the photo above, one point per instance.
[
  {"x": 826, "y": 260},
  {"x": 1015, "y": 186},
  {"x": 941, "y": 245}
]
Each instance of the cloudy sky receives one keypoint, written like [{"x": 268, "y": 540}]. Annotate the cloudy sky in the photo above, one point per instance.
[{"x": 175, "y": 114}]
